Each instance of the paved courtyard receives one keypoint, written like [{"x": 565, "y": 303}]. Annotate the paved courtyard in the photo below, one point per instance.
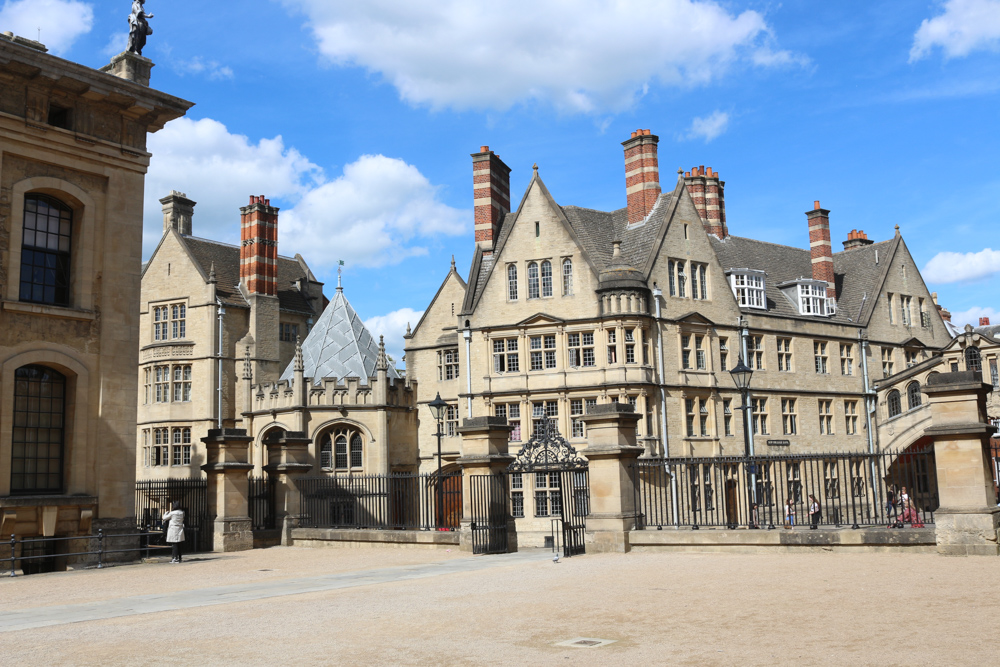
[{"x": 410, "y": 607}]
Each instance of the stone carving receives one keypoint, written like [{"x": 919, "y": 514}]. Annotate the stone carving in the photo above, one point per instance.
[{"x": 138, "y": 27}]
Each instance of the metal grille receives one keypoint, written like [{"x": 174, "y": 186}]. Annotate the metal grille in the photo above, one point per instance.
[
  {"x": 489, "y": 513},
  {"x": 153, "y": 499},
  {"x": 852, "y": 489},
  {"x": 261, "y": 503}
]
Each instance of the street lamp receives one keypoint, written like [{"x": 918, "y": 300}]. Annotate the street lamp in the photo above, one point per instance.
[
  {"x": 742, "y": 374},
  {"x": 437, "y": 407}
]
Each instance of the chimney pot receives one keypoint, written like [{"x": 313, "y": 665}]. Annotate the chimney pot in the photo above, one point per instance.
[
  {"x": 491, "y": 196},
  {"x": 816, "y": 205},
  {"x": 642, "y": 174},
  {"x": 984, "y": 321},
  {"x": 484, "y": 149}
]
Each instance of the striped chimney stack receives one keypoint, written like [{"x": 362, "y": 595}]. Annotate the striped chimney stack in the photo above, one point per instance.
[
  {"x": 642, "y": 174},
  {"x": 820, "y": 244},
  {"x": 259, "y": 246},
  {"x": 491, "y": 196},
  {"x": 707, "y": 191}
]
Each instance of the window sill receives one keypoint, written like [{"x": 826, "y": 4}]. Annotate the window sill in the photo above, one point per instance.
[
  {"x": 166, "y": 343},
  {"x": 50, "y": 311}
]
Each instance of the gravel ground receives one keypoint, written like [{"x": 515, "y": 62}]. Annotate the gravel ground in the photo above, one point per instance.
[{"x": 688, "y": 609}]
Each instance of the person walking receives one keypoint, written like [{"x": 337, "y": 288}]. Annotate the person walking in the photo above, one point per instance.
[
  {"x": 174, "y": 520},
  {"x": 814, "y": 513},
  {"x": 890, "y": 503},
  {"x": 790, "y": 514}
]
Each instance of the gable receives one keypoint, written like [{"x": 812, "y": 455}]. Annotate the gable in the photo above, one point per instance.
[{"x": 441, "y": 313}]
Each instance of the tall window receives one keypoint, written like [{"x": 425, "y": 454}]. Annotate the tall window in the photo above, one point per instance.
[
  {"x": 755, "y": 352},
  {"x": 170, "y": 321},
  {"x": 182, "y": 384},
  {"x": 724, "y": 354},
  {"x": 162, "y": 384},
  {"x": 681, "y": 280},
  {"x": 904, "y": 310},
  {"x": 178, "y": 320},
  {"x": 785, "y": 355},
  {"x": 851, "y": 417},
  {"x": 505, "y": 359},
  {"x": 973, "y": 359},
  {"x": 567, "y": 277},
  {"x": 895, "y": 404},
  {"x": 846, "y": 359},
  {"x": 516, "y": 495},
  {"x": 913, "y": 398},
  {"x": 925, "y": 320},
  {"x": 825, "y": 417},
  {"x": 890, "y": 300},
  {"x": 341, "y": 449},
  {"x": 512, "y": 413},
  {"x": 39, "y": 426},
  {"x": 541, "y": 410},
  {"x": 696, "y": 412},
  {"x": 548, "y": 497},
  {"x": 451, "y": 421},
  {"x": 630, "y": 346},
  {"x": 749, "y": 289},
  {"x": 612, "y": 347},
  {"x": 994, "y": 374},
  {"x": 533, "y": 291},
  {"x": 581, "y": 349},
  {"x": 672, "y": 270},
  {"x": 543, "y": 352},
  {"x": 699, "y": 281},
  {"x": 448, "y": 364},
  {"x": 693, "y": 352},
  {"x": 888, "y": 367},
  {"x": 512, "y": 282},
  {"x": 789, "y": 420},
  {"x": 546, "y": 278},
  {"x": 727, "y": 415},
  {"x": 793, "y": 475},
  {"x": 831, "y": 478},
  {"x": 147, "y": 385},
  {"x": 45, "y": 251},
  {"x": 758, "y": 414},
  {"x": 819, "y": 352}
]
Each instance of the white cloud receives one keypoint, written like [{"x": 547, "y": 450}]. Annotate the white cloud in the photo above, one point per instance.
[
  {"x": 578, "y": 55},
  {"x": 372, "y": 215},
  {"x": 212, "y": 69},
  {"x": 709, "y": 127},
  {"x": 972, "y": 315},
  {"x": 955, "y": 267},
  {"x": 393, "y": 326},
  {"x": 61, "y": 21},
  {"x": 965, "y": 25}
]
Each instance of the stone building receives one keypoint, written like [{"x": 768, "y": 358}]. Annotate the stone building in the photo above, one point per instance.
[
  {"x": 652, "y": 304},
  {"x": 267, "y": 302},
  {"x": 73, "y": 161}
]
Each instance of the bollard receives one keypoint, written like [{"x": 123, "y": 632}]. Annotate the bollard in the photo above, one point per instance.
[{"x": 100, "y": 548}]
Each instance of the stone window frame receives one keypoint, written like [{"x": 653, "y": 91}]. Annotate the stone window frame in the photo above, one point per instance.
[
  {"x": 847, "y": 359},
  {"x": 333, "y": 451},
  {"x": 850, "y": 417},
  {"x": 512, "y": 282},
  {"x": 914, "y": 398},
  {"x": 567, "y": 276},
  {"x": 448, "y": 364},
  {"x": 894, "y": 403},
  {"x": 785, "y": 354},
  {"x": 824, "y": 406},
  {"x": 789, "y": 416},
  {"x": 821, "y": 357},
  {"x": 534, "y": 282}
]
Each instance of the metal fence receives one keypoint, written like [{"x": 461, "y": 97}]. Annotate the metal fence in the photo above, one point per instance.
[
  {"x": 34, "y": 555},
  {"x": 852, "y": 489},
  {"x": 396, "y": 501},
  {"x": 260, "y": 503},
  {"x": 153, "y": 498}
]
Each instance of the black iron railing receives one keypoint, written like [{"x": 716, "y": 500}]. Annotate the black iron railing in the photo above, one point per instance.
[
  {"x": 384, "y": 502},
  {"x": 260, "y": 503},
  {"x": 34, "y": 555},
  {"x": 852, "y": 489},
  {"x": 155, "y": 497}
]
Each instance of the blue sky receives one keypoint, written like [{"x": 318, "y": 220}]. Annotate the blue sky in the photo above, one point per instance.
[{"x": 358, "y": 119}]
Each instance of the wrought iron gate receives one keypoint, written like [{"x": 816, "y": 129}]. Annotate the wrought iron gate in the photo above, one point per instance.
[
  {"x": 489, "y": 513},
  {"x": 548, "y": 454},
  {"x": 261, "y": 502},
  {"x": 153, "y": 498}
]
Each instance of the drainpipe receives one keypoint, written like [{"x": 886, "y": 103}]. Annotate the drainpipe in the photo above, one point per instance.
[
  {"x": 467, "y": 334},
  {"x": 218, "y": 388},
  {"x": 657, "y": 293},
  {"x": 869, "y": 407}
]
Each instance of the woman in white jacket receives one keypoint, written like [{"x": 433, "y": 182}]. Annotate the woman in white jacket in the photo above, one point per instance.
[{"x": 174, "y": 521}]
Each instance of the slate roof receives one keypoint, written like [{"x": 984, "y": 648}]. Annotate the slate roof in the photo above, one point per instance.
[
  {"x": 226, "y": 258},
  {"x": 856, "y": 273},
  {"x": 339, "y": 345},
  {"x": 990, "y": 331}
]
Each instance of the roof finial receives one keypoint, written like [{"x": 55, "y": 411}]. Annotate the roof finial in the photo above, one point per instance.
[
  {"x": 897, "y": 230},
  {"x": 382, "y": 363},
  {"x": 340, "y": 271},
  {"x": 211, "y": 274},
  {"x": 299, "y": 364},
  {"x": 535, "y": 168},
  {"x": 452, "y": 262},
  {"x": 617, "y": 245},
  {"x": 408, "y": 333}
]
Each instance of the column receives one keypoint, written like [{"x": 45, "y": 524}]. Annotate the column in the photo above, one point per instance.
[
  {"x": 287, "y": 461},
  {"x": 227, "y": 452},
  {"x": 484, "y": 452},
  {"x": 967, "y": 521},
  {"x": 611, "y": 449}
]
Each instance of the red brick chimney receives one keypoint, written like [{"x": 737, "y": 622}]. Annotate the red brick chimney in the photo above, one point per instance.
[
  {"x": 259, "y": 246},
  {"x": 984, "y": 321},
  {"x": 820, "y": 245},
  {"x": 707, "y": 192},
  {"x": 856, "y": 239},
  {"x": 642, "y": 174},
  {"x": 491, "y": 196}
]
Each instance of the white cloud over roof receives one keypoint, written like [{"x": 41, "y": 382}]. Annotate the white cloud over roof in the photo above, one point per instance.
[{"x": 61, "y": 21}]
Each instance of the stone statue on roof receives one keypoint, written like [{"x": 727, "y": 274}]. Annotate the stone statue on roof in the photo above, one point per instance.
[{"x": 138, "y": 27}]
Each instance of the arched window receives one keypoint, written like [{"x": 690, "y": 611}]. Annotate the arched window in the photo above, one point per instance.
[
  {"x": 512, "y": 282},
  {"x": 45, "y": 251},
  {"x": 341, "y": 449},
  {"x": 895, "y": 406},
  {"x": 973, "y": 360},
  {"x": 326, "y": 452},
  {"x": 356, "y": 461},
  {"x": 546, "y": 278},
  {"x": 340, "y": 455},
  {"x": 38, "y": 434},
  {"x": 567, "y": 277},
  {"x": 913, "y": 398},
  {"x": 533, "y": 281}
]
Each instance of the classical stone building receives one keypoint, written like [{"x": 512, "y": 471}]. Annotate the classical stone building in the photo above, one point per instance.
[
  {"x": 73, "y": 161},
  {"x": 652, "y": 304},
  {"x": 267, "y": 303}
]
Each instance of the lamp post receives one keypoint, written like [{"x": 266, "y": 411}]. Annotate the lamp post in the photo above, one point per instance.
[
  {"x": 742, "y": 374},
  {"x": 437, "y": 407}
]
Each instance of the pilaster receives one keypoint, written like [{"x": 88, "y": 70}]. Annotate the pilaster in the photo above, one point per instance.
[
  {"x": 227, "y": 453},
  {"x": 287, "y": 461},
  {"x": 484, "y": 452}
]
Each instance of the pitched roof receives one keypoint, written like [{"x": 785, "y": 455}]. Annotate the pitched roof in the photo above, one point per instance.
[
  {"x": 226, "y": 259},
  {"x": 339, "y": 345}
]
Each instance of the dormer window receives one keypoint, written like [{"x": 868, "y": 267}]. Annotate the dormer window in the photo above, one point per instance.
[
  {"x": 810, "y": 297},
  {"x": 748, "y": 287}
]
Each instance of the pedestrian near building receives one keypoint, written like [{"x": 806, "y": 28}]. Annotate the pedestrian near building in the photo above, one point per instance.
[
  {"x": 174, "y": 520},
  {"x": 790, "y": 514},
  {"x": 814, "y": 512},
  {"x": 890, "y": 502}
]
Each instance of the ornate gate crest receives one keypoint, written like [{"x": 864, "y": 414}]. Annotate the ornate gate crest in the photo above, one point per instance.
[{"x": 547, "y": 450}]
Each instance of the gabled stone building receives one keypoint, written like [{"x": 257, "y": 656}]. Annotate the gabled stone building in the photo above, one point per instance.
[
  {"x": 267, "y": 303},
  {"x": 653, "y": 304},
  {"x": 73, "y": 161}
]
